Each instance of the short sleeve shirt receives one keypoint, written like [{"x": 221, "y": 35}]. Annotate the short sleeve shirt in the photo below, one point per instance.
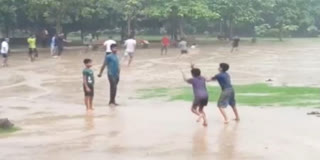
[
  {"x": 223, "y": 80},
  {"x": 32, "y": 43},
  {"x": 108, "y": 44},
  {"x": 130, "y": 45},
  {"x": 88, "y": 73},
  {"x": 199, "y": 87},
  {"x": 112, "y": 63}
]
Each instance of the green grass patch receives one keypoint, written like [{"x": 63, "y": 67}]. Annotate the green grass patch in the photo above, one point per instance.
[
  {"x": 250, "y": 95},
  {"x": 8, "y": 131}
]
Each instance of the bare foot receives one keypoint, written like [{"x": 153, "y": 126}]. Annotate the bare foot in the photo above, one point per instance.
[
  {"x": 205, "y": 124},
  {"x": 237, "y": 119},
  {"x": 199, "y": 119},
  {"x": 226, "y": 122}
]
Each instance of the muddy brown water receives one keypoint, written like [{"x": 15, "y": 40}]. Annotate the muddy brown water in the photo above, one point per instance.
[{"x": 45, "y": 99}]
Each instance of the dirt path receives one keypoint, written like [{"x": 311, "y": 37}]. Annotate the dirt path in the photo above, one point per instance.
[{"x": 45, "y": 99}]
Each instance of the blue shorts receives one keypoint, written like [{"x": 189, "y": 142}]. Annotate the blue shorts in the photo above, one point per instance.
[{"x": 227, "y": 97}]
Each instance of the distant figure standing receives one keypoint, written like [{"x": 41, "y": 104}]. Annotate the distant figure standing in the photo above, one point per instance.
[
  {"x": 165, "y": 42},
  {"x": 88, "y": 84},
  {"x": 33, "y": 52},
  {"x": 108, "y": 44},
  {"x": 130, "y": 45},
  {"x": 53, "y": 45},
  {"x": 183, "y": 45},
  {"x": 5, "y": 51},
  {"x": 112, "y": 63},
  {"x": 59, "y": 43},
  {"x": 235, "y": 43}
]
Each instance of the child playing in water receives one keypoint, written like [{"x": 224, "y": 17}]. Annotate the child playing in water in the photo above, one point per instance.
[
  {"x": 88, "y": 84},
  {"x": 227, "y": 96},
  {"x": 200, "y": 94}
]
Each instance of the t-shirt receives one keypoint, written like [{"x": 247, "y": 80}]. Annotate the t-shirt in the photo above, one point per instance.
[
  {"x": 236, "y": 41},
  {"x": 224, "y": 80},
  {"x": 88, "y": 73},
  {"x": 165, "y": 41},
  {"x": 53, "y": 41},
  {"x": 4, "y": 47},
  {"x": 130, "y": 45},
  {"x": 32, "y": 42},
  {"x": 183, "y": 45},
  {"x": 59, "y": 42},
  {"x": 199, "y": 87},
  {"x": 112, "y": 63},
  {"x": 108, "y": 44}
]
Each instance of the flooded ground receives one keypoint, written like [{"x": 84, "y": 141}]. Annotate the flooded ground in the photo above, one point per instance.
[{"x": 45, "y": 99}]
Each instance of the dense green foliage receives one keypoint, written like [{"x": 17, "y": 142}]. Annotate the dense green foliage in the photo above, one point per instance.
[
  {"x": 176, "y": 17},
  {"x": 251, "y": 95}
]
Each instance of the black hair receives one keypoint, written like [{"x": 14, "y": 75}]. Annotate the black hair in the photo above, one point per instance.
[
  {"x": 87, "y": 60},
  {"x": 113, "y": 46},
  {"x": 196, "y": 72},
  {"x": 224, "y": 66}
]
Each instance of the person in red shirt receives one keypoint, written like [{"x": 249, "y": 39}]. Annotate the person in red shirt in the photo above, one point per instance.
[{"x": 165, "y": 44}]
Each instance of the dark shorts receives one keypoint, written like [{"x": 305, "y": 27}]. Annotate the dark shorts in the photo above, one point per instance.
[
  {"x": 184, "y": 52},
  {"x": 200, "y": 102},
  {"x": 227, "y": 97},
  {"x": 4, "y": 55},
  {"x": 88, "y": 94},
  {"x": 33, "y": 50},
  {"x": 107, "y": 53}
]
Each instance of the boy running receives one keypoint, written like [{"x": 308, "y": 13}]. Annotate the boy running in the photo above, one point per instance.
[
  {"x": 108, "y": 44},
  {"x": 227, "y": 96},
  {"x": 33, "y": 52},
  {"x": 88, "y": 84},
  {"x": 130, "y": 45},
  {"x": 165, "y": 42},
  {"x": 200, "y": 94},
  {"x": 4, "y": 51}
]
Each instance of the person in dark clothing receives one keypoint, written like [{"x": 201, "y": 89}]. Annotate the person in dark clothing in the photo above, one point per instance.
[
  {"x": 112, "y": 63},
  {"x": 235, "y": 43}
]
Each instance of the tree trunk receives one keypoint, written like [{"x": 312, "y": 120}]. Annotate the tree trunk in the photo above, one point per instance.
[
  {"x": 58, "y": 24},
  {"x": 230, "y": 29},
  {"x": 280, "y": 32},
  {"x": 123, "y": 33},
  {"x": 129, "y": 26},
  {"x": 181, "y": 30}
]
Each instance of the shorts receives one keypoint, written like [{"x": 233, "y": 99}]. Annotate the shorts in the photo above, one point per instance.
[
  {"x": 88, "y": 94},
  {"x": 184, "y": 51},
  {"x": 227, "y": 97},
  {"x": 107, "y": 53},
  {"x": 4, "y": 55},
  {"x": 33, "y": 50},
  {"x": 200, "y": 102},
  {"x": 130, "y": 54}
]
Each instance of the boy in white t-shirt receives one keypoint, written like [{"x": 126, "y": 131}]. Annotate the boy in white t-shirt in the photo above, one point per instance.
[
  {"x": 130, "y": 45},
  {"x": 108, "y": 44},
  {"x": 4, "y": 51}
]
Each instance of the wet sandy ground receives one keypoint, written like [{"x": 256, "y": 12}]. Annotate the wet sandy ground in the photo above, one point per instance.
[{"x": 45, "y": 99}]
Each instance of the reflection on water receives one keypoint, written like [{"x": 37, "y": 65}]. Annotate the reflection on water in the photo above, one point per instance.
[
  {"x": 227, "y": 142},
  {"x": 200, "y": 142},
  {"x": 89, "y": 121}
]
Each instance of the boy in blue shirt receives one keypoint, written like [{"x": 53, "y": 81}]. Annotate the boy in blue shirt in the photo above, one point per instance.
[{"x": 227, "y": 96}]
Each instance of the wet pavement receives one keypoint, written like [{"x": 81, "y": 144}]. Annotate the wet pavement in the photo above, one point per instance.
[{"x": 45, "y": 99}]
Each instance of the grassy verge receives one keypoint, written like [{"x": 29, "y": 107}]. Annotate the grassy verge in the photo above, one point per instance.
[
  {"x": 8, "y": 131},
  {"x": 250, "y": 95}
]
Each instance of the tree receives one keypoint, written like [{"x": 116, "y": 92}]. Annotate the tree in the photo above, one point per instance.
[
  {"x": 173, "y": 12},
  {"x": 8, "y": 14}
]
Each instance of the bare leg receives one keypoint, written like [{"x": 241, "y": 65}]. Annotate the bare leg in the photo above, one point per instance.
[
  {"x": 195, "y": 111},
  {"x": 232, "y": 49},
  {"x": 224, "y": 115},
  {"x": 235, "y": 111},
  {"x": 130, "y": 60},
  {"x": 90, "y": 103},
  {"x": 87, "y": 103},
  {"x": 5, "y": 62},
  {"x": 204, "y": 117}
]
